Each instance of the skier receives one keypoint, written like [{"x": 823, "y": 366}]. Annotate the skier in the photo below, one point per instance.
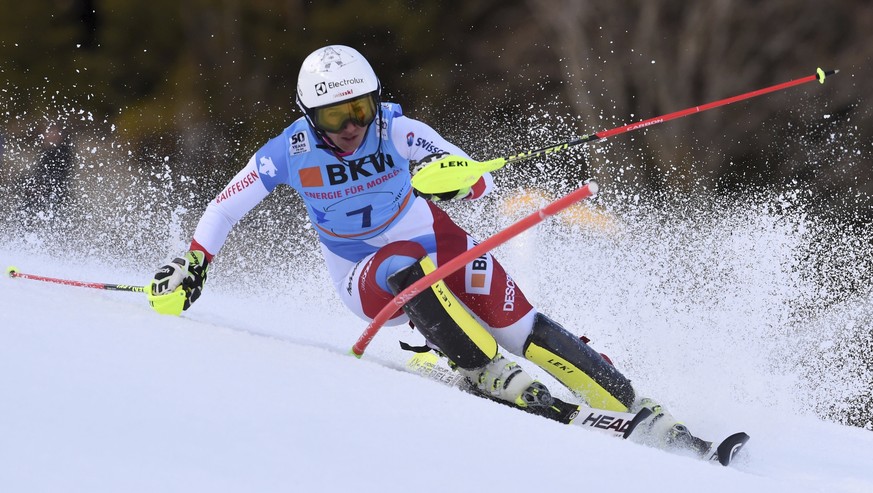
[{"x": 349, "y": 157}]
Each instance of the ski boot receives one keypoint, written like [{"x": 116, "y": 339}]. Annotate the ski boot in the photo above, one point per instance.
[
  {"x": 662, "y": 430},
  {"x": 503, "y": 380}
]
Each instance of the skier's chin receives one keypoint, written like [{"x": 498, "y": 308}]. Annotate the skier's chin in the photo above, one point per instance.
[{"x": 349, "y": 141}]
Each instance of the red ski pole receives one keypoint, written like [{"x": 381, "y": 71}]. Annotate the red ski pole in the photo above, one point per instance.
[
  {"x": 513, "y": 230},
  {"x": 819, "y": 76},
  {"x": 13, "y": 272},
  {"x": 437, "y": 178}
]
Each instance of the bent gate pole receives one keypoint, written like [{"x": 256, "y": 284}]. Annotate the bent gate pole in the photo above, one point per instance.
[{"x": 511, "y": 231}]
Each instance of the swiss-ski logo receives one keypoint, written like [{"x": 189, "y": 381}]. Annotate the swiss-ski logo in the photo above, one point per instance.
[{"x": 426, "y": 145}]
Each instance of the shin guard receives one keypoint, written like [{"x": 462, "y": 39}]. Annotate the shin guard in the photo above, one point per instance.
[
  {"x": 579, "y": 367},
  {"x": 443, "y": 321}
]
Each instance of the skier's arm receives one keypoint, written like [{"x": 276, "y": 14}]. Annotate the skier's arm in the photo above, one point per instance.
[
  {"x": 418, "y": 141},
  {"x": 178, "y": 284},
  {"x": 244, "y": 192},
  {"x": 266, "y": 169}
]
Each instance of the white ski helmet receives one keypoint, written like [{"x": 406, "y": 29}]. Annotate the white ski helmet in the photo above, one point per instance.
[{"x": 334, "y": 74}]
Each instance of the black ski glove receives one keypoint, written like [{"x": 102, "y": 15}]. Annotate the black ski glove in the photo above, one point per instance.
[{"x": 178, "y": 284}]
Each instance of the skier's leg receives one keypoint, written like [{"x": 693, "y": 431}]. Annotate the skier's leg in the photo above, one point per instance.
[
  {"x": 500, "y": 305},
  {"x": 575, "y": 364},
  {"x": 447, "y": 324},
  {"x": 365, "y": 289},
  {"x": 442, "y": 320},
  {"x": 582, "y": 369}
]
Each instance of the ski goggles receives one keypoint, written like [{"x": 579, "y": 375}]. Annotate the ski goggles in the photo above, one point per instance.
[{"x": 361, "y": 111}]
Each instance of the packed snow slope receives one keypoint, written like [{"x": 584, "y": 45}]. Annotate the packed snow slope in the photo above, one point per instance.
[{"x": 717, "y": 312}]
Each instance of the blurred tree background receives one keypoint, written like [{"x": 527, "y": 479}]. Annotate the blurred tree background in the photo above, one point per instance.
[{"x": 207, "y": 82}]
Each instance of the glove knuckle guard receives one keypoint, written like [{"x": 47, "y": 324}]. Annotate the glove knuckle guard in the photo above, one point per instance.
[{"x": 189, "y": 273}]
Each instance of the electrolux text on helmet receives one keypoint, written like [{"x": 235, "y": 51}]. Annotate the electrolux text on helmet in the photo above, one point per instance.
[{"x": 340, "y": 83}]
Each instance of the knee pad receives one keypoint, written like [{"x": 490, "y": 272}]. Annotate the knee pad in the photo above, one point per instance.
[
  {"x": 576, "y": 365},
  {"x": 443, "y": 320}
]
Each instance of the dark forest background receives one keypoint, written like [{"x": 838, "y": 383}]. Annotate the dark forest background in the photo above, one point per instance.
[{"x": 207, "y": 82}]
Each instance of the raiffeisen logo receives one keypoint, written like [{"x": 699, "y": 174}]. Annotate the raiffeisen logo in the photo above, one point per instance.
[{"x": 343, "y": 83}]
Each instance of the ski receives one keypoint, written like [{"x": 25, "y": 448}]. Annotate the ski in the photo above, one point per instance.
[
  {"x": 721, "y": 452},
  {"x": 724, "y": 452},
  {"x": 429, "y": 365},
  {"x": 615, "y": 423}
]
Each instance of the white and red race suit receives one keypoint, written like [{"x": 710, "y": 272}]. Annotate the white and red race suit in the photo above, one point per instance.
[{"x": 369, "y": 222}]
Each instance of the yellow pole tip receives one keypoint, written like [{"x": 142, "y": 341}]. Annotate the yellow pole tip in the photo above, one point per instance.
[{"x": 10, "y": 271}]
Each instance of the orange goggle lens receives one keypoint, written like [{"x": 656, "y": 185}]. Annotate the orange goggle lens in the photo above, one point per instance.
[{"x": 361, "y": 111}]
